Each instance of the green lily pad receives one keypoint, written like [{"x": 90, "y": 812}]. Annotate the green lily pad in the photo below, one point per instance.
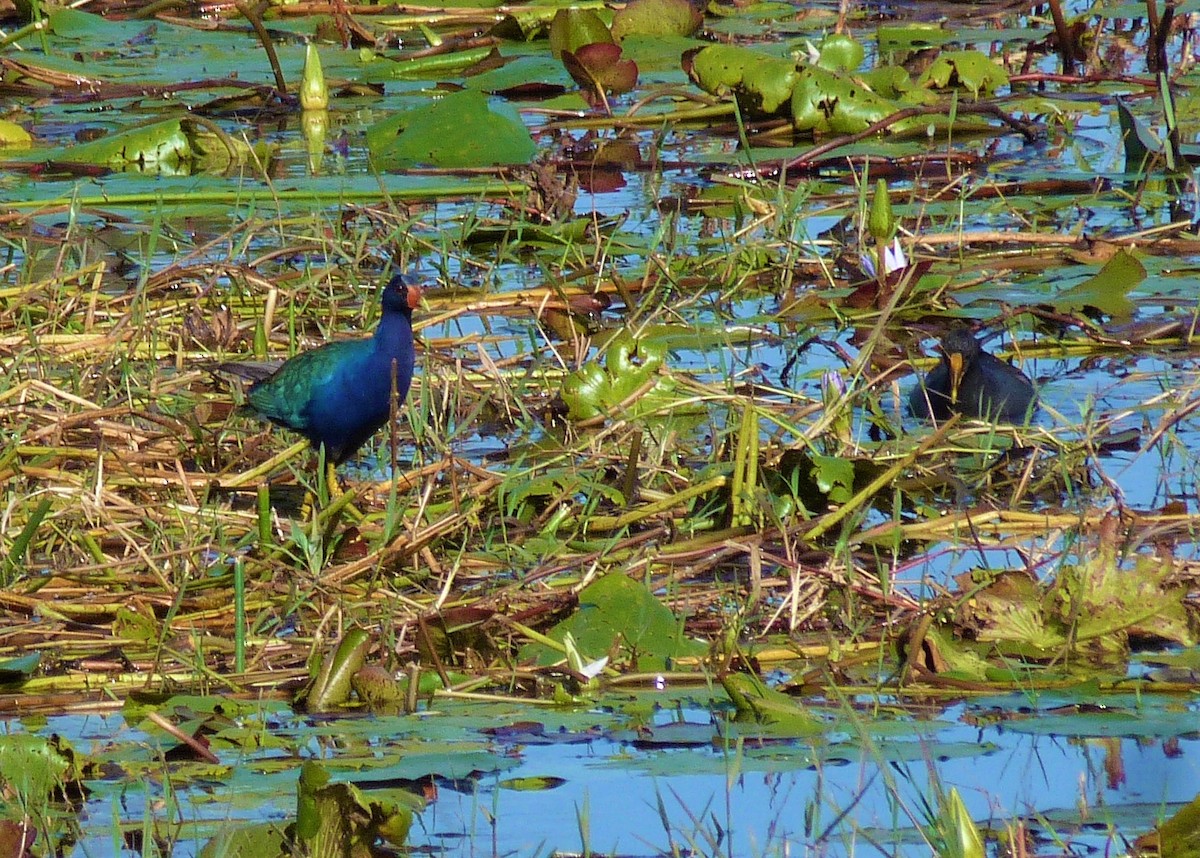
[
  {"x": 656, "y": 18},
  {"x": 571, "y": 29},
  {"x": 969, "y": 70},
  {"x": 1107, "y": 291},
  {"x": 459, "y": 130},
  {"x": 762, "y": 83},
  {"x": 617, "y": 612},
  {"x": 828, "y": 102}
]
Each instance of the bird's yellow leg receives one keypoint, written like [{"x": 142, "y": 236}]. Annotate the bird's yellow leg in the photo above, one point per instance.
[{"x": 339, "y": 499}]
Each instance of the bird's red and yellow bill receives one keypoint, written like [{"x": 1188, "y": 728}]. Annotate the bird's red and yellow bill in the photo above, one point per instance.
[{"x": 956, "y": 374}]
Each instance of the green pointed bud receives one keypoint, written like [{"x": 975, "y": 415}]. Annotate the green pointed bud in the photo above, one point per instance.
[
  {"x": 314, "y": 95},
  {"x": 882, "y": 221}
]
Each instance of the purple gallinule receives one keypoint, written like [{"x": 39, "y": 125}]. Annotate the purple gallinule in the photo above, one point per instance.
[
  {"x": 340, "y": 394},
  {"x": 971, "y": 382}
]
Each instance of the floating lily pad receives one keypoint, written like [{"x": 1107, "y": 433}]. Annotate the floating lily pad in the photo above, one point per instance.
[
  {"x": 459, "y": 130},
  {"x": 762, "y": 83},
  {"x": 1107, "y": 291},
  {"x": 656, "y": 18},
  {"x": 969, "y": 70},
  {"x": 571, "y": 29}
]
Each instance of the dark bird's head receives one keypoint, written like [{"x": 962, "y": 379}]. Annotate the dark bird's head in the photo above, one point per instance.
[
  {"x": 400, "y": 297},
  {"x": 959, "y": 350}
]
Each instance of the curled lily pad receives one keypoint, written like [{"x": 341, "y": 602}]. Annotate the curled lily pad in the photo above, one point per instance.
[
  {"x": 584, "y": 391},
  {"x": 630, "y": 364},
  {"x": 571, "y": 29},
  {"x": 599, "y": 68}
]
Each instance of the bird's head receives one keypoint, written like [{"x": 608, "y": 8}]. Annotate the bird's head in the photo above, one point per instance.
[
  {"x": 400, "y": 297},
  {"x": 959, "y": 348}
]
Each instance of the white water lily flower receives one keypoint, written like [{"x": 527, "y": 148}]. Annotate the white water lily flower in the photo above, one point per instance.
[{"x": 893, "y": 259}]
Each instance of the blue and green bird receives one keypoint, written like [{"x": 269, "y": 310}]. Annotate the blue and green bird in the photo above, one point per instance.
[{"x": 340, "y": 394}]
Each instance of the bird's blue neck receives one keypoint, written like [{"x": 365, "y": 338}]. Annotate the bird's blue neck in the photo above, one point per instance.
[{"x": 393, "y": 332}]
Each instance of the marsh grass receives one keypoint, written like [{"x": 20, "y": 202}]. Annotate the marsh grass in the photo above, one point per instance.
[{"x": 138, "y": 487}]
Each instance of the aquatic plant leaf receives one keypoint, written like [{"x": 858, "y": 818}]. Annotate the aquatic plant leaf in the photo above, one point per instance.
[
  {"x": 1106, "y": 292},
  {"x": 630, "y": 364},
  {"x": 834, "y": 476},
  {"x": 896, "y": 42},
  {"x": 762, "y": 83},
  {"x": 758, "y": 703},
  {"x": 571, "y": 29},
  {"x": 1178, "y": 837},
  {"x": 957, "y": 832},
  {"x": 158, "y": 145},
  {"x": 13, "y": 136},
  {"x": 815, "y": 480},
  {"x": 252, "y": 840},
  {"x": 70, "y": 23},
  {"x": 532, "y": 783},
  {"x": 1009, "y": 610},
  {"x": 527, "y": 72},
  {"x": 1140, "y": 140},
  {"x": 893, "y": 82},
  {"x": 1107, "y": 601},
  {"x": 840, "y": 52},
  {"x": 332, "y": 684},
  {"x": 676, "y": 734},
  {"x": 599, "y": 68},
  {"x": 585, "y": 391},
  {"x": 947, "y": 654},
  {"x": 339, "y": 819},
  {"x": 969, "y": 70},
  {"x": 377, "y": 67},
  {"x": 179, "y": 146},
  {"x": 617, "y": 614},
  {"x": 1092, "y": 606},
  {"x": 459, "y": 130},
  {"x": 823, "y": 101},
  {"x": 1116, "y": 717},
  {"x": 19, "y": 668},
  {"x": 626, "y": 354},
  {"x": 537, "y": 733},
  {"x": 37, "y": 770},
  {"x": 656, "y": 18}
]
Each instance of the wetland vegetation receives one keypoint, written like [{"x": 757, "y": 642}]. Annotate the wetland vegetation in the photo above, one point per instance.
[{"x": 654, "y": 559}]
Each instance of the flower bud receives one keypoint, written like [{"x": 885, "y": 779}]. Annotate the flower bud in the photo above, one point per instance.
[
  {"x": 881, "y": 222},
  {"x": 314, "y": 95}
]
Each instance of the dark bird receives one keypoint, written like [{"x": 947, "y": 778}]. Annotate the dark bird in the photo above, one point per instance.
[
  {"x": 340, "y": 394},
  {"x": 971, "y": 382}
]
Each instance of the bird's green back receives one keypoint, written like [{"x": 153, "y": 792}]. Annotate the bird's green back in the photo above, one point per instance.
[{"x": 282, "y": 397}]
